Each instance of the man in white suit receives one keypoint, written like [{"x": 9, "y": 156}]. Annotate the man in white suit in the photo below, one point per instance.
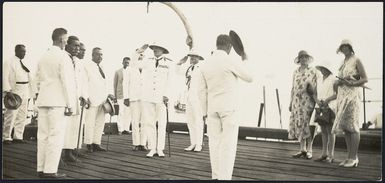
[
  {"x": 193, "y": 107},
  {"x": 155, "y": 89},
  {"x": 72, "y": 132},
  {"x": 217, "y": 84},
  {"x": 124, "y": 117},
  {"x": 132, "y": 95},
  {"x": 16, "y": 79},
  {"x": 55, "y": 101},
  {"x": 97, "y": 94}
]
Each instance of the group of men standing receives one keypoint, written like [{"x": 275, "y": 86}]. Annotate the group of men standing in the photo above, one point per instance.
[{"x": 66, "y": 88}]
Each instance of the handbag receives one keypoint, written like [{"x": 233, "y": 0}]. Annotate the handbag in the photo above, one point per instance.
[{"x": 324, "y": 115}]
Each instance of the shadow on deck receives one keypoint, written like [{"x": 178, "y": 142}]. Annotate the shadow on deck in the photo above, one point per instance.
[{"x": 255, "y": 160}]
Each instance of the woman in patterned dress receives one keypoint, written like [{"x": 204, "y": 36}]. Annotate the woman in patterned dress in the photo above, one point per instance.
[
  {"x": 353, "y": 75},
  {"x": 302, "y": 104}
]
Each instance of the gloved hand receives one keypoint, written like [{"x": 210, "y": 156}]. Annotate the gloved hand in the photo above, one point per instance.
[{"x": 83, "y": 101}]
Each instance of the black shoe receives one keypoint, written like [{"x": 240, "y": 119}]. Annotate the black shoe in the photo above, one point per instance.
[
  {"x": 90, "y": 148},
  {"x": 40, "y": 174},
  {"x": 136, "y": 148},
  {"x": 143, "y": 148},
  {"x": 125, "y": 132},
  {"x": 7, "y": 142},
  {"x": 79, "y": 154},
  {"x": 19, "y": 141},
  {"x": 299, "y": 154},
  {"x": 53, "y": 175},
  {"x": 97, "y": 147},
  {"x": 69, "y": 157}
]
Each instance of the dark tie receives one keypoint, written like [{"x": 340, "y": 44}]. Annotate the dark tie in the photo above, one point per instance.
[
  {"x": 72, "y": 59},
  {"x": 24, "y": 67},
  {"x": 101, "y": 72},
  {"x": 188, "y": 76},
  {"x": 157, "y": 62}
]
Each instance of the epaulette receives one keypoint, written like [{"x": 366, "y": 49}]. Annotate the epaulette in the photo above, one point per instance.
[{"x": 167, "y": 59}]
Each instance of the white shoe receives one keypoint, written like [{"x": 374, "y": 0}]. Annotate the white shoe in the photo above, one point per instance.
[
  {"x": 151, "y": 153},
  {"x": 198, "y": 148},
  {"x": 190, "y": 148},
  {"x": 160, "y": 153}
]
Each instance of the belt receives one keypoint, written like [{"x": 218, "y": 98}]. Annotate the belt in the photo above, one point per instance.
[{"x": 22, "y": 82}]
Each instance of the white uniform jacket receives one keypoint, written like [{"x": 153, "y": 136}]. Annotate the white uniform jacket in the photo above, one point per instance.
[
  {"x": 218, "y": 94},
  {"x": 97, "y": 85},
  {"x": 132, "y": 84},
  {"x": 155, "y": 80},
  {"x": 12, "y": 73},
  {"x": 191, "y": 71},
  {"x": 53, "y": 78}
]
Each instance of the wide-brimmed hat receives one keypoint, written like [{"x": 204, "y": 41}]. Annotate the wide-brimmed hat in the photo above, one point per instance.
[
  {"x": 155, "y": 45},
  {"x": 109, "y": 107},
  {"x": 345, "y": 42},
  {"x": 302, "y": 53},
  {"x": 193, "y": 53},
  {"x": 12, "y": 101}
]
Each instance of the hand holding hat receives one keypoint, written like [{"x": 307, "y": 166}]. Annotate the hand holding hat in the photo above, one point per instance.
[
  {"x": 237, "y": 44},
  {"x": 126, "y": 102}
]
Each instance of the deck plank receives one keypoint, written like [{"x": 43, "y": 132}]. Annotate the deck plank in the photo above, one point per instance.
[{"x": 255, "y": 160}]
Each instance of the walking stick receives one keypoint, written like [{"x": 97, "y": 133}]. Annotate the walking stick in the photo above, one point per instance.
[
  {"x": 108, "y": 136},
  {"x": 168, "y": 132},
  {"x": 80, "y": 127},
  {"x": 279, "y": 108}
]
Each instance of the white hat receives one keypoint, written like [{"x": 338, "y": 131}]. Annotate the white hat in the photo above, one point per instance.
[
  {"x": 155, "y": 45},
  {"x": 193, "y": 53},
  {"x": 345, "y": 42},
  {"x": 302, "y": 53}
]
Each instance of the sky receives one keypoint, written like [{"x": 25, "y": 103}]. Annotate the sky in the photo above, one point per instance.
[{"x": 272, "y": 34}]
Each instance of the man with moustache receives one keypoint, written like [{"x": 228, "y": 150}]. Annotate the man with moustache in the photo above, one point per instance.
[
  {"x": 71, "y": 137},
  {"x": 16, "y": 79},
  {"x": 97, "y": 94}
]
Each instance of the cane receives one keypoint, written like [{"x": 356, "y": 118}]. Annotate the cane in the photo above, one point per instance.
[
  {"x": 168, "y": 132},
  {"x": 80, "y": 127}
]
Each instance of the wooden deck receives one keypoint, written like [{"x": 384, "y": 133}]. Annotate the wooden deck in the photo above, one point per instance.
[{"x": 255, "y": 160}]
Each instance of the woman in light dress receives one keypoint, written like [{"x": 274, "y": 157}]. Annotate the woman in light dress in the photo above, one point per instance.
[
  {"x": 352, "y": 75},
  {"x": 302, "y": 104}
]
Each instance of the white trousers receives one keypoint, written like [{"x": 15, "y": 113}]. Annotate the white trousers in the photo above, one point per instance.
[
  {"x": 72, "y": 136},
  {"x": 195, "y": 122},
  {"x": 94, "y": 125},
  {"x": 222, "y": 129},
  {"x": 151, "y": 113},
  {"x": 138, "y": 132},
  {"x": 15, "y": 119},
  {"x": 124, "y": 118},
  {"x": 50, "y": 138}
]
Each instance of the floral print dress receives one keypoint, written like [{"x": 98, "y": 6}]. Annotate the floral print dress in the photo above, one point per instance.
[
  {"x": 348, "y": 101},
  {"x": 302, "y": 103}
]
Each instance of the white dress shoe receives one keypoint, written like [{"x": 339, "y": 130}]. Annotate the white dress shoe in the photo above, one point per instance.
[
  {"x": 198, "y": 148},
  {"x": 160, "y": 153},
  {"x": 190, "y": 148},
  {"x": 151, "y": 153}
]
